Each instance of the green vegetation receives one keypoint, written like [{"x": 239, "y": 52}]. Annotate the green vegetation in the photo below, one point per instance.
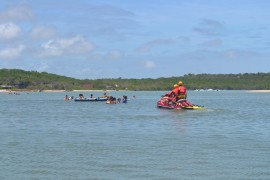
[{"x": 32, "y": 80}]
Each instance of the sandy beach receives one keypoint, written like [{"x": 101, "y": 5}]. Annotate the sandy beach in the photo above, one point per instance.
[
  {"x": 261, "y": 91},
  {"x": 12, "y": 91},
  {"x": 17, "y": 91}
]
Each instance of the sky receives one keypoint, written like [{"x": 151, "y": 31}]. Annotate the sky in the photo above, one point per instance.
[{"x": 93, "y": 39}]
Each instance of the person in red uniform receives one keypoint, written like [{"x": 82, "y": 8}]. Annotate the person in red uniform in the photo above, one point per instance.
[
  {"x": 182, "y": 91},
  {"x": 172, "y": 96},
  {"x": 182, "y": 94},
  {"x": 174, "y": 92}
]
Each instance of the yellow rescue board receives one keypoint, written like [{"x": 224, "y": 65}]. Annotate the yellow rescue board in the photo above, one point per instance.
[{"x": 193, "y": 107}]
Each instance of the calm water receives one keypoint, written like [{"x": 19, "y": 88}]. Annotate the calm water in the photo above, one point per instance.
[{"x": 44, "y": 137}]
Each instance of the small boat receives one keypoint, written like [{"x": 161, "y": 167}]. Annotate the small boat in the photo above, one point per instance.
[
  {"x": 166, "y": 103},
  {"x": 90, "y": 99}
]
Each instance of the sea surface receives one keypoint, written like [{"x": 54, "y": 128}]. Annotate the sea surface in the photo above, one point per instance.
[{"x": 44, "y": 137}]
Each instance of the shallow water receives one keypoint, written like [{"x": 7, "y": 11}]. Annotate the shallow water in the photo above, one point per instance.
[{"x": 44, "y": 137}]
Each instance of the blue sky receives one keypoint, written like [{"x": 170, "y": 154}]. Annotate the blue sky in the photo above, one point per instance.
[{"x": 129, "y": 39}]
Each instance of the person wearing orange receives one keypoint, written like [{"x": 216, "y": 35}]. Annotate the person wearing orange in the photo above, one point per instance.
[
  {"x": 172, "y": 96},
  {"x": 182, "y": 91},
  {"x": 174, "y": 92},
  {"x": 182, "y": 95}
]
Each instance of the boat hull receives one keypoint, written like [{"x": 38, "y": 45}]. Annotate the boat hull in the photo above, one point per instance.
[
  {"x": 90, "y": 99},
  {"x": 164, "y": 104}
]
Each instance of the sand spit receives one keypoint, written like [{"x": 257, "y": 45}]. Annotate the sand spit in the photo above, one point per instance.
[{"x": 260, "y": 91}]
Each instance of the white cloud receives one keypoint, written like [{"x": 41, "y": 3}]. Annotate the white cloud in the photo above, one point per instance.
[
  {"x": 234, "y": 54},
  {"x": 17, "y": 13},
  {"x": 11, "y": 53},
  {"x": 73, "y": 45},
  {"x": 9, "y": 31},
  {"x": 212, "y": 43},
  {"x": 41, "y": 32},
  {"x": 114, "y": 54},
  {"x": 209, "y": 27},
  {"x": 149, "y": 45},
  {"x": 149, "y": 64}
]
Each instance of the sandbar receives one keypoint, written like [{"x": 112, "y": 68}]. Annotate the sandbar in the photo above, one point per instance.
[{"x": 261, "y": 91}]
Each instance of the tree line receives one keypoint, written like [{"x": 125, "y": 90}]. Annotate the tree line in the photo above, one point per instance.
[{"x": 33, "y": 80}]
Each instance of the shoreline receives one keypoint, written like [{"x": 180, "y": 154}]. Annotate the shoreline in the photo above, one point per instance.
[
  {"x": 263, "y": 91},
  {"x": 54, "y": 91},
  {"x": 19, "y": 91}
]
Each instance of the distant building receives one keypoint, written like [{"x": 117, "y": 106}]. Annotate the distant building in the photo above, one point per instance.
[
  {"x": 6, "y": 87},
  {"x": 19, "y": 85}
]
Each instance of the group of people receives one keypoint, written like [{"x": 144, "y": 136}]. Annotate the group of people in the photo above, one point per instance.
[
  {"x": 110, "y": 99},
  {"x": 113, "y": 100},
  {"x": 81, "y": 96},
  {"x": 178, "y": 94},
  {"x": 66, "y": 98}
]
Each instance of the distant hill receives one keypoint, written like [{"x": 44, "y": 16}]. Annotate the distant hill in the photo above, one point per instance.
[{"x": 33, "y": 80}]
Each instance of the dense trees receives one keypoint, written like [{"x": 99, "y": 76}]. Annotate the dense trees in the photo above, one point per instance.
[{"x": 35, "y": 80}]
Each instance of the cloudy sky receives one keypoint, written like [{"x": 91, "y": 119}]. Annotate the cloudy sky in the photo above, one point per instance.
[{"x": 90, "y": 39}]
